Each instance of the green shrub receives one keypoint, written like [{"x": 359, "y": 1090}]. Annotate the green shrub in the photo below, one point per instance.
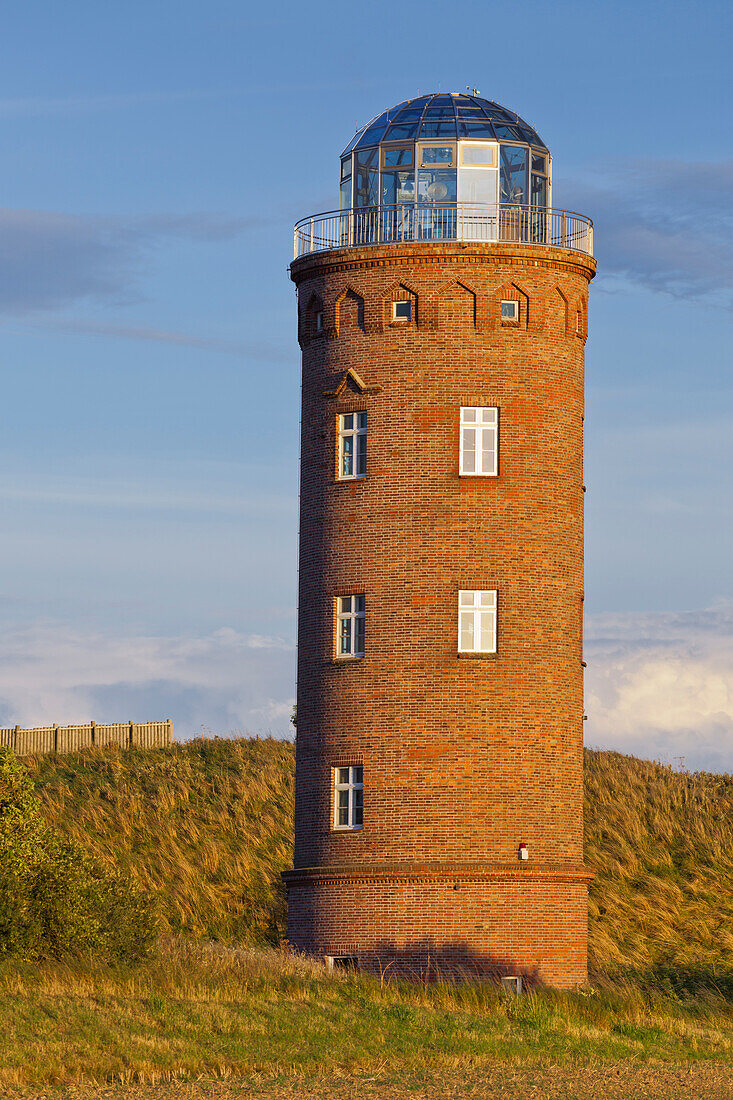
[{"x": 55, "y": 898}]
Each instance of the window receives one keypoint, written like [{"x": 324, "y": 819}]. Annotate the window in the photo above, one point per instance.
[
  {"x": 477, "y": 622},
  {"x": 479, "y": 441},
  {"x": 539, "y": 181},
  {"x": 352, "y": 445},
  {"x": 366, "y": 190},
  {"x": 401, "y": 311},
  {"x": 319, "y": 321},
  {"x": 513, "y": 179},
  {"x": 509, "y": 311},
  {"x": 483, "y": 154},
  {"x": 437, "y": 154},
  {"x": 345, "y": 188},
  {"x": 350, "y": 626},
  {"x": 342, "y": 962},
  {"x": 348, "y": 802},
  {"x": 394, "y": 157}
]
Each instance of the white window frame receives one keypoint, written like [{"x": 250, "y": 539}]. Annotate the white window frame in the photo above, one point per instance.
[
  {"x": 485, "y": 146},
  {"x": 319, "y": 322},
  {"x": 483, "y": 420},
  {"x": 352, "y": 786},
  {"x": 357, "y": 433},
  {"x": 395, "y": 316},
  {"x": 473, "y": 606},
  {"x": 350, "y": 625},
  {"x": 514, "y": 319}
]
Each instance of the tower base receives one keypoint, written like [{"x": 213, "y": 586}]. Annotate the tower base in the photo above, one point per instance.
[{"x": 453, "y": 921}]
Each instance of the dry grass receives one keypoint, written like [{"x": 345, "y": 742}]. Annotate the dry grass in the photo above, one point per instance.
[
  {"x": 661, "y": 843},
  {"x": 204, "y": 827},
  {"x": 205, "y": 1010}
]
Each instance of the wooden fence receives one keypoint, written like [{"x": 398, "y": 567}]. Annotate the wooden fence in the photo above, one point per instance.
[{"x": 146, "y": 735}]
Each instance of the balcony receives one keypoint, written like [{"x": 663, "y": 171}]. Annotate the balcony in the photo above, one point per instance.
[{"x": 412, "y": 223}]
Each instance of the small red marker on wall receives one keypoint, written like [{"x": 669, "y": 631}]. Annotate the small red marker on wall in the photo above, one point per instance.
[{"x": 523, "y": 852}]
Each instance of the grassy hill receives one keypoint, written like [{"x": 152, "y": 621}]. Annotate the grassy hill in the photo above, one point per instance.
[{"x": 206, "y": 827}]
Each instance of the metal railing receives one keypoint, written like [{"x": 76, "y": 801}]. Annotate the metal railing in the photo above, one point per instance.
[{"x": 415, "y": 222}]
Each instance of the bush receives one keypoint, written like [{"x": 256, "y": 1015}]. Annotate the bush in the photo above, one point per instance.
[{"x": 55, "y": 898}]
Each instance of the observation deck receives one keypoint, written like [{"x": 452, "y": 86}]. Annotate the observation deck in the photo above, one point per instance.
[{"x": 431, "y": 222}]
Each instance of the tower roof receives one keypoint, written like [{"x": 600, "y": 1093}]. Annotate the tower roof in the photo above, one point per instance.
[{"x": 446, "y": 115}]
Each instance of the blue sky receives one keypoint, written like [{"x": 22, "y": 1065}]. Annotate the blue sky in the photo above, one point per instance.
[{"x": 155, "y": 158}]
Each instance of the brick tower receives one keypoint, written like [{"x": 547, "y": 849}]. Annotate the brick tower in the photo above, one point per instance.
[{"x": 442, "y": 320}]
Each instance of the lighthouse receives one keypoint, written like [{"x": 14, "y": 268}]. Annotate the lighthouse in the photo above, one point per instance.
[{"x": 442, "y": 317}]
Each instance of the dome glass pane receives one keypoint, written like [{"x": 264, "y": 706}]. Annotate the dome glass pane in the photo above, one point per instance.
[{"x": 443, "y": 116}]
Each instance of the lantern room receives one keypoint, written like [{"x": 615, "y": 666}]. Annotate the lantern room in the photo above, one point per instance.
[{"x": 444, "y": 149}]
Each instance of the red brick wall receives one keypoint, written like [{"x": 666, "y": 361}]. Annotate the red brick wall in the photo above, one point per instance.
[
  {"x": 511, "y": 923},
  {"x": 464, "y": 757}
]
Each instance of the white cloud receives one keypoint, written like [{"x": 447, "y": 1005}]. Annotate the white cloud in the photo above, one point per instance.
[
  {"x": 154, "y": 491},
  {"x": 222, "y": 681},
  {"x": 661, "y": 685},
  {"x": 658, "y": 685}
]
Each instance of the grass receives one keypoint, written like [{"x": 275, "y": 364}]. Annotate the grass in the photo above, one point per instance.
[
  {"x": 203, "y": 1009},
  {"x": 206, "y": 828},
  {"x": 661, "y": 844}
]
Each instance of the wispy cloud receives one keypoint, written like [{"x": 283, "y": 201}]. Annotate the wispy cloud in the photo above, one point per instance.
[
  {"x": 666, "y": 225},
  {"x": 661, "y": 685},
  {"x": 222, "y": 681},
  {"x": 39, "y": 106},
  {"x": 149, "y": 492},
  {"x": 262, "y": 352},
  {"x": 49, "y": 259}
]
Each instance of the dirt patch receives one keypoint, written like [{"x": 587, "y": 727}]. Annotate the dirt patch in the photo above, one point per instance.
[{"x": 709, "y": 1080}]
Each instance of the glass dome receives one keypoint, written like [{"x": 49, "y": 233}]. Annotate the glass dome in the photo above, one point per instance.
[
  {"x": 446, "y": 115},
  {"x": 446, "y": 148}
]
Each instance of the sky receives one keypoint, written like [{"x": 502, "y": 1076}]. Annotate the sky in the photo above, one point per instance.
[{"x": 156, "y": 156}]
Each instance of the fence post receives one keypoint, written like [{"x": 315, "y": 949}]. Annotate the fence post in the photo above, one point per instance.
[
  {"x": 55, "y": 738},
  {"x": 16, "y": 731},
  {"x": 94, "y": 726},
  {"x": 129, "y": 736}
]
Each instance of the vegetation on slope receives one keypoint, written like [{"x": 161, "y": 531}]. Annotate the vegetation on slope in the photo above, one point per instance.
[
  {"x": 661, "y": 844},
  {"x": 55, "y": 899},
  {"x": 206, "y": 826}
]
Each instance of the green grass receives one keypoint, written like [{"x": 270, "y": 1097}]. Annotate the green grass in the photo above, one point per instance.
[{"x": 197, "y": 1009}]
